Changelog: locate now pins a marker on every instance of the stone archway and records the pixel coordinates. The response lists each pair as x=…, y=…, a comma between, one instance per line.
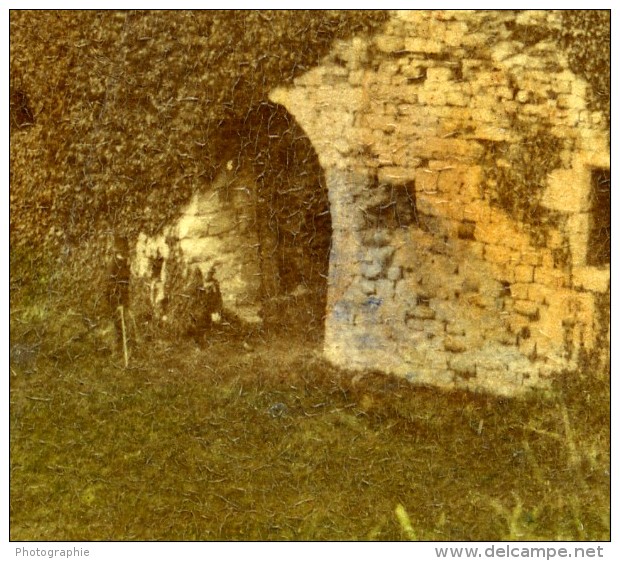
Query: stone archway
x=258, y=233
x=293, y=217
x=442, y=270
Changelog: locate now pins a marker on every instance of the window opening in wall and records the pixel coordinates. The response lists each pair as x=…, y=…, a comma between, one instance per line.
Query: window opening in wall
x=599, y=241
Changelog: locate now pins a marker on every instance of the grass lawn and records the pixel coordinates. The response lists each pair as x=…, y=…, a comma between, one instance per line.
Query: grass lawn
x=258, y=438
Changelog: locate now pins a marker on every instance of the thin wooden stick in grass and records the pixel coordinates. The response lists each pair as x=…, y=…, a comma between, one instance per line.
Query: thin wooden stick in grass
x=573, y=455
x=121, y=311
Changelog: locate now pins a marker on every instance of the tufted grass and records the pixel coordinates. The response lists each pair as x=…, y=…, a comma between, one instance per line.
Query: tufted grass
x=255, y=437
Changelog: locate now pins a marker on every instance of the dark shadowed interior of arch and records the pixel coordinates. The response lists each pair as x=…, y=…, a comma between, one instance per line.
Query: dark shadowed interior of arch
x=292, y=214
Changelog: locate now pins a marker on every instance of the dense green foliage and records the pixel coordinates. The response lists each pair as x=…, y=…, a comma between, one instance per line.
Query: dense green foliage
x=130, y=109
x=586, y=37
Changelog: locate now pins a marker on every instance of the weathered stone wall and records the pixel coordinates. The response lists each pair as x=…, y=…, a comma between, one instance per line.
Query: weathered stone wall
x=260, y=230
x=216, y=233
x=459, y=163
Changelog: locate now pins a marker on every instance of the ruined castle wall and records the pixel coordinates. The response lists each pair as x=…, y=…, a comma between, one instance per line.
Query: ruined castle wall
x=216, y=233
x=459, y=163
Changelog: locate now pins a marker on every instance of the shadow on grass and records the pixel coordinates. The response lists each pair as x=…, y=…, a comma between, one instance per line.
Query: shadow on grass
x=255, y=437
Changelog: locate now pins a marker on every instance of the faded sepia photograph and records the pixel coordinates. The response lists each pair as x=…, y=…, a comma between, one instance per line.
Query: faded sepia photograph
x=310, y=275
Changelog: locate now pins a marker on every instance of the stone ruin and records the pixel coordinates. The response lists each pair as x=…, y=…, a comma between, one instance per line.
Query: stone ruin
x=257, y=235
x=468, y=186
x=215, y=235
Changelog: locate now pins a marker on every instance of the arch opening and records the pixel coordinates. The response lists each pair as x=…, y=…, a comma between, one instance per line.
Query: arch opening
x=293, y=219
x=257, y=235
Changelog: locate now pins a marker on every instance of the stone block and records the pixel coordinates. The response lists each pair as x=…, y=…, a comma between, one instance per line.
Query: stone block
x=454, y=32
x=518, y=324
x=498, y=380
x=406, y=109
x=523, y=96
x=503, y=93
x=396, y=174
x=200, y=249
x=438, y=74
x=430, y=328
x=482, y=301
x=528, y=348
x=455, y=344
x=531, y=257
x=457, y=99
x=549, y=332
x=524, y=273
x=505, y=49
x=486, y=233
x=463, y=364
x=477, y=211
x=567, y=190
x=503, y=337
x=391, y=110
x=498, y=254
x=371, y=271
x=502, y=272
x=390, y=43
x=437, y=360
x=356, y=77
x=377, y=121
x=547, y=347
x=386, y=69
x=420, y=312
x=474, y=249
x=398, y=81
x=450, y=180
x=432, y=97
x=494, y=133
x=456, y=327
x=474, y=39
x=525, y=61
x=395, y=273
x=385, y=288
x=367, y=287
x=492, y=78
x=448, y=148
x=419, y=45
x=527, y=308
x=519, y=290
x=414, y=324
x=578, y=230
x=427, y=181
x=592, y=279
x=381, y=255
x=196, y=226
x=571, y=101
x=539, y=293
x=471, y=68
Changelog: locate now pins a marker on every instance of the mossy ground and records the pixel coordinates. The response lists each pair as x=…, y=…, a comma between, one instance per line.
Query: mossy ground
x=255, y=437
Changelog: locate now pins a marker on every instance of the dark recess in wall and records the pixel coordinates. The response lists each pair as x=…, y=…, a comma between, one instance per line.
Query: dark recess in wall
x=599, y=242
x=292, y=207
